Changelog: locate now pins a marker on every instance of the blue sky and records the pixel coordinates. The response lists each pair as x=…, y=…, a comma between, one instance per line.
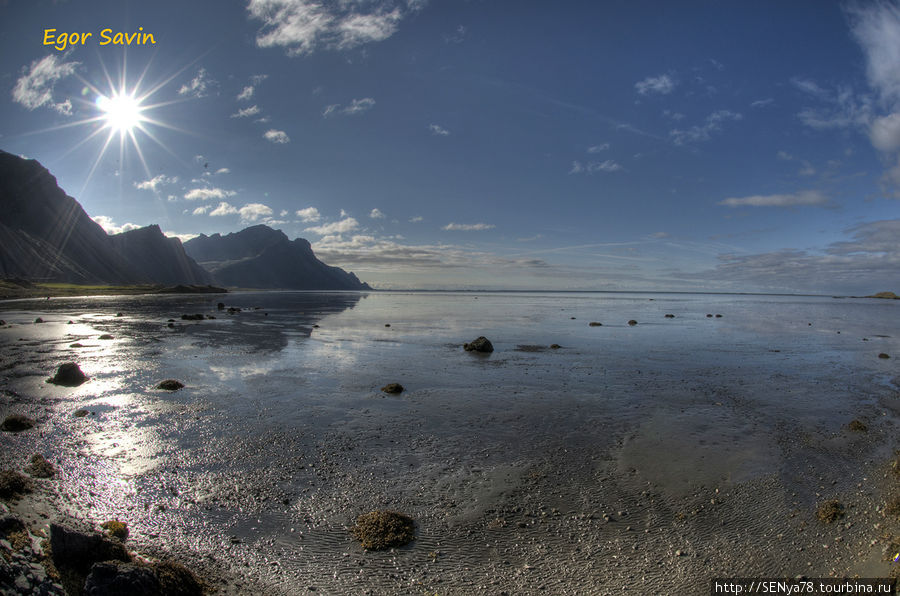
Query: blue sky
x=726, y=146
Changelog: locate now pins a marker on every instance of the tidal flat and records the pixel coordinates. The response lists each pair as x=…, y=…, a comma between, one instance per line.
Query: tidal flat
x=648, y=457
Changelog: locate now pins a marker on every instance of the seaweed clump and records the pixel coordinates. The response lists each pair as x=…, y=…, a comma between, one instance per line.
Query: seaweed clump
x=858, y=426
x=379, y=530
x=393, y=388
x=892, y=507
x=116, y=529
x=830, y=511
x=170, y=385
x=16, y=423
x=40, y=467
x=13, y=484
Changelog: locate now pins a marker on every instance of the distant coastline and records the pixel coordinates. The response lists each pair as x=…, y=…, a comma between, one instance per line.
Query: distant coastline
x=17, y=288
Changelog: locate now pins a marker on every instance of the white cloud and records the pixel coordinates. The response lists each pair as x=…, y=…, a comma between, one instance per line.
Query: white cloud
x=704, y=132
x=223, y=209
x=199, y=85
x=303, y=26
x=885, y=132
x=376, y=214
x=762, y=103
x=277, y=136
x=455, y=227
x=258, y=78
x=438, y=130
x=246, y=93
x=35, y=88
x=608, y=165
x=876, y=27
x=309, y=215
x=254, y=211
x=338, y=227
x=203, y=209
x=577, y=168
x=246, y=112
x=416, y=219
x=182, y=237
x=802, y=198
x=662, y=85
x=223, y=171
x=206, y=194
x=110, y=227
x=784, y=156
x=598, y=148
x=155, y=182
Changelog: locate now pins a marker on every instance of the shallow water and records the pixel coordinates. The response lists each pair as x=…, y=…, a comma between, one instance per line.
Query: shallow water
x=507, y=461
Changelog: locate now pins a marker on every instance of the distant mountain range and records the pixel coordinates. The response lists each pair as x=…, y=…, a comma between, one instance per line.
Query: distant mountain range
x=45, y=235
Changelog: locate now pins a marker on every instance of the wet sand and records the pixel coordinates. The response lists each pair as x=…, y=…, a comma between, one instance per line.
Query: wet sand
x=594, y=468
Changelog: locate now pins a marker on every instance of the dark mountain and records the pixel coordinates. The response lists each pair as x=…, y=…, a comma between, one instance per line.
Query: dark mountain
x=260, y=257
x=45, y=235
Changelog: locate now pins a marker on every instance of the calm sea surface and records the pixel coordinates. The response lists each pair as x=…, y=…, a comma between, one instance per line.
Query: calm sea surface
x=281, y=435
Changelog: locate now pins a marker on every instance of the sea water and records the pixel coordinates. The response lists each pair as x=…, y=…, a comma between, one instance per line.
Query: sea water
x=281, y=436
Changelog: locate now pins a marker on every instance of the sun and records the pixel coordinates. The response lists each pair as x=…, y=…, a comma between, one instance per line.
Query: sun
x=121, y=112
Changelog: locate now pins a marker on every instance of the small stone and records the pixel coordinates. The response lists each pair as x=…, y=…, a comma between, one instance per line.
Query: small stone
x=393, y=388
x=884, y=356
x=670, y=316
x=632, y=322
x=106, y=336
x=595, y=324
x=38, y=320
x=81, y=413
x=555, y=346
x=170, y=385
x=857, y=426
x=679, y=553
x=480, y=344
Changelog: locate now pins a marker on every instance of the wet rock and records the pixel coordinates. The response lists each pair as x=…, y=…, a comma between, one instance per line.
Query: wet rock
x=170, y=385
x=15, y=423
x=220, y=306
x=393, y=388
x=892, y=507
x=81, y=413
x=379, y=530
x=68, y=375
x=718, y=316
x=177, y=580
x=387, y=324
x=670, y=316
x=884, y=356
x=13, y=484
x=555, y=346
x=233, y=309
x=595, y=324
x=118, y=314
x=78, y=551
x=116, y=529
x=2, y=322
x=481, y=344
x=708, y=316
x=829, y=511
x=115, y=578
x=40, y=467
x=170, y=325
x=38, y=320
x=632, y=322
x=857, y=426
x=76, y=345
x=10, y=524
x=106, y=336
x=195, y=317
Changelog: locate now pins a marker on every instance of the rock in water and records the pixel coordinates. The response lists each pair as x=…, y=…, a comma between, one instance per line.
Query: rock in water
x=394, y=388
x=632, y=322
x=482, y=344
x=170, y=385
x=69, y=375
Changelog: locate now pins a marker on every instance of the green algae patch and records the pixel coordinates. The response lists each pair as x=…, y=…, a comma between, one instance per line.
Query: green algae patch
x=379, y=530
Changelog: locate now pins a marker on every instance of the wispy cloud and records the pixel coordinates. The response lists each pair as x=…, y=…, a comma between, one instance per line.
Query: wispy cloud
x=252, y=212
x=35, y=87
x=598, y=148
x=477, y=227
x=277, y=136
x=798, y=199
x=198, y=86
x=376, y=214
x=762, y=103
x=304, y=26
x=438, y=130
x=416, y=219
x=207, y=194
x=155, y=182
x=222, y=210
x=246, y=112
x=660, y=85
x=705, y=131
x=356, y=106
x=309, y=215
x=608, y=165
x=246, y=93
x=348, y=224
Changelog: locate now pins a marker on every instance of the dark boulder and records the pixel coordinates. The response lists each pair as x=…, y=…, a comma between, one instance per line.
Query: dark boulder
x=670, y=316
x=481, y=344
x=40, y=467
x=15, y=423
x=78, y=551
x=170, y=385
x=595, y=324
x=194, y=317
x=115, y=578
x=68, y=375
x=393, y=388
x=632, y=322
x=13, y=484
x=884, y=356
